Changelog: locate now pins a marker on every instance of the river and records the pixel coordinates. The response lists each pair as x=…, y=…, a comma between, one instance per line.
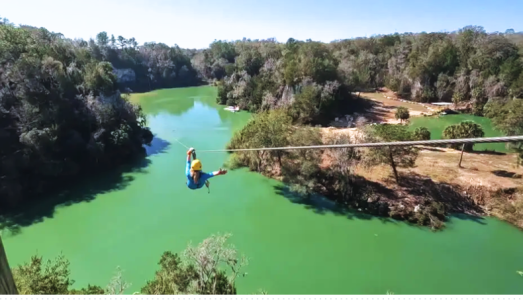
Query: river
x=129, y=220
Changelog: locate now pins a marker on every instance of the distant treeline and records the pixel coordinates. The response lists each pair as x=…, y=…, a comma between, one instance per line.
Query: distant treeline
x=466, y=65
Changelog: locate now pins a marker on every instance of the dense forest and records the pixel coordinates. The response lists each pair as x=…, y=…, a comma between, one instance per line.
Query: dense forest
x=469, y=65
x=62, y=111
x=146, y=67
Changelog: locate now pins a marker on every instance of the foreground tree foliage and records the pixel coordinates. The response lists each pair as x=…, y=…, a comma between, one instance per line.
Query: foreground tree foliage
x=61, y=114
x=51, y=278
x=199, y=270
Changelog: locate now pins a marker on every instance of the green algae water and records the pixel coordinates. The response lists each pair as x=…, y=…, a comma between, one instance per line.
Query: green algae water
x=129, y=219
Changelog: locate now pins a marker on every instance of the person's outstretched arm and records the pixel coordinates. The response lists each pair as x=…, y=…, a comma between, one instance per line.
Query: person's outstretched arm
x=206, y=176
x=188, y=163
x=219, y=172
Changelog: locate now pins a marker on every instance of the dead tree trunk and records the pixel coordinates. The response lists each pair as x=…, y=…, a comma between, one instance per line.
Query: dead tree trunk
x=393, y=165
x=7, y=283
x=461, y=156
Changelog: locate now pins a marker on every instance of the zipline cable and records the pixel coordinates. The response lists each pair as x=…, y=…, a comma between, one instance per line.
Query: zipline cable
x=183, y=145
x=185, y=129
x=504, y=139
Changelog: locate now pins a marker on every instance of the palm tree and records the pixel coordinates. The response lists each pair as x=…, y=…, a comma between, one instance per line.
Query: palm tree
x=463, y=130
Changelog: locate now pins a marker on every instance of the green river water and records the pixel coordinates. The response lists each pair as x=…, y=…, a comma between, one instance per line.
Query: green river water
x=130, y=220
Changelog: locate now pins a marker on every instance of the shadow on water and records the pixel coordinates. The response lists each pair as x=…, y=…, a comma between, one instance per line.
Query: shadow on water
x=466, y=217
x=85, y=190
x=458, y=205
x=323, y=206
x=157, y=146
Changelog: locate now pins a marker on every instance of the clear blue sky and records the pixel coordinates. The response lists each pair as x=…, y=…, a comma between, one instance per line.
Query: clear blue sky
x=196, y=23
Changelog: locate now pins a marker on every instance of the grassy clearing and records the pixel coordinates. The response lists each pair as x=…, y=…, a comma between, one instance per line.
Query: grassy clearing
x=436, y=125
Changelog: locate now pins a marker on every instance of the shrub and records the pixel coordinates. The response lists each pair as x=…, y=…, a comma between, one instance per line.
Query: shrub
x=421, y=134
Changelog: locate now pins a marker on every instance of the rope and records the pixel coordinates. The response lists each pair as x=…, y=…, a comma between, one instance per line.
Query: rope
x=504, y=139
x=183, y=145
x=185, y=129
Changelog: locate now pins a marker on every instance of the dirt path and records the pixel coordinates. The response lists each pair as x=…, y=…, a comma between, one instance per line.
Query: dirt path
x=385, y=108
x=383, y=111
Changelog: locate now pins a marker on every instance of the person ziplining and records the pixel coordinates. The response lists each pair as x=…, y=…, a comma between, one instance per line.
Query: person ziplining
x=196, y=179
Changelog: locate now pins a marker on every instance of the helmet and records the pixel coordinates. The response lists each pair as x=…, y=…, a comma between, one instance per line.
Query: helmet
x=196, y=165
